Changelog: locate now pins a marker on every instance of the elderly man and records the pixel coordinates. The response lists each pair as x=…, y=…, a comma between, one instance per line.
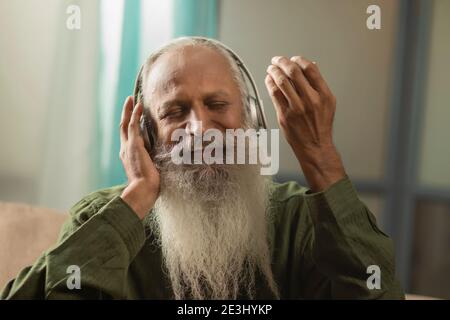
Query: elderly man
x=219, y=231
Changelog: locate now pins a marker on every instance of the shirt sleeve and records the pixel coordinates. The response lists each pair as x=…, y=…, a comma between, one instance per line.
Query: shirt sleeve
x=98, y=243
x=345, y=249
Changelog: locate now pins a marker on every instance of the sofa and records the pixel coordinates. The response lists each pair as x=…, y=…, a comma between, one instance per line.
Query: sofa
x=25, y=233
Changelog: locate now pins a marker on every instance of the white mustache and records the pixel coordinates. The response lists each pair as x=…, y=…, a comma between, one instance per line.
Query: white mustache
x=194, y=145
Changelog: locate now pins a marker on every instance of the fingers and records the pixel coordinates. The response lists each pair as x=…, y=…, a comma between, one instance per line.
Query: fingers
x=133, y=126
x=125, y=119
x=277, y=96
x=312, y=73
x=285, y=85
x=293, y=71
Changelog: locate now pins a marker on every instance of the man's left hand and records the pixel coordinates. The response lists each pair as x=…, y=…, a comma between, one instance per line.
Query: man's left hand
x=305, y=109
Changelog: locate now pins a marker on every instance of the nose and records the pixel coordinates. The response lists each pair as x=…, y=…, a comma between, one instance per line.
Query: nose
x=198, y=121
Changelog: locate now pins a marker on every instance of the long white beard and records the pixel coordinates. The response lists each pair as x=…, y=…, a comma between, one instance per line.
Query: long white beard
x=211, y=223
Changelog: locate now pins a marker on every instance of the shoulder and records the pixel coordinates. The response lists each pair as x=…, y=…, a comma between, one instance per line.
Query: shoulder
x=88, y=206
x=288, y=204
x=287, y=196
x=94, y=201
x=284, y=192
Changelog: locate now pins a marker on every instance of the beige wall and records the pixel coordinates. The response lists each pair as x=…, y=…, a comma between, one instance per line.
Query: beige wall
x=47, y=84
x=356, y=62
x=435, y=145
x=26, y=55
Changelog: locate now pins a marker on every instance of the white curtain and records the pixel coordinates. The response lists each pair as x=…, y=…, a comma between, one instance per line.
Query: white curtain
x=70, y=118
x=82, y=111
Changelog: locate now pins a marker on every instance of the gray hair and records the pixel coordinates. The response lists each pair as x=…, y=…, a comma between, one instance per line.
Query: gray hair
x=182, y=42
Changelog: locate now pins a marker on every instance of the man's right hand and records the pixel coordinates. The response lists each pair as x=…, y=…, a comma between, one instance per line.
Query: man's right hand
x=143, y=177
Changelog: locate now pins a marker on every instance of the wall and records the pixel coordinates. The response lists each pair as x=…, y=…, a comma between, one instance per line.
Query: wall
x=28, y=44
x=356, y=62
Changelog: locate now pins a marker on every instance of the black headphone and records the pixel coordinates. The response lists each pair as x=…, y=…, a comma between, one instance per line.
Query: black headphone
x=254, y=101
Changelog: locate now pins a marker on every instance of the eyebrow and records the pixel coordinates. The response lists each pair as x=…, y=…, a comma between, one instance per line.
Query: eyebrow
x=219, y=94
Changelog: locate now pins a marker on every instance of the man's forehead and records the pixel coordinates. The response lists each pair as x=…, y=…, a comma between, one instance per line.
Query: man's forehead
x=188, y=66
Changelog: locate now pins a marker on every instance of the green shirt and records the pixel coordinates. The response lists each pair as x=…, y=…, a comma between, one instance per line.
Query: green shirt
x=322, y=245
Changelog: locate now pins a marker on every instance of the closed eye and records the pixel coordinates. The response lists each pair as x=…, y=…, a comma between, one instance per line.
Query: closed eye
x=174, y=113
x=217, y=105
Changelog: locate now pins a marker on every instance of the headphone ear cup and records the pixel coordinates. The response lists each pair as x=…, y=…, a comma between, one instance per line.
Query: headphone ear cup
x=253, y=112
x=147, y=134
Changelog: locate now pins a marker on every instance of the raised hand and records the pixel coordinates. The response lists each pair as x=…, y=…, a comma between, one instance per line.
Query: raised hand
x=305, y=109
